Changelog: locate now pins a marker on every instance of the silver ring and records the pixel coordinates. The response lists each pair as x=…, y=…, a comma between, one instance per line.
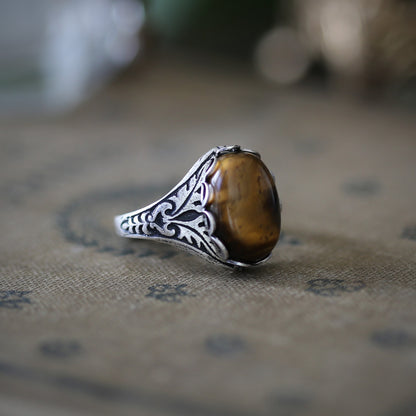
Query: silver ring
x=226, y=209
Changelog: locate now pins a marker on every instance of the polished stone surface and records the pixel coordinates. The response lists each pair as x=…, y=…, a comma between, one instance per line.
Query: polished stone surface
x=246, y=207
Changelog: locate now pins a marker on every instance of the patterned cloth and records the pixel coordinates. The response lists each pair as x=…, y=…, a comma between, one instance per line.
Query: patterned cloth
x=95, y=324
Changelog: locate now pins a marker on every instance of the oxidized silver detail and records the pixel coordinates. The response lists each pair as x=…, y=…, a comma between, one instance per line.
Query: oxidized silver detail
x=180, y=217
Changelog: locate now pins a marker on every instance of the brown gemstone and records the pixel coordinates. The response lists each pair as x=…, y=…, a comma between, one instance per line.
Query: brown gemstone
x=245, y=205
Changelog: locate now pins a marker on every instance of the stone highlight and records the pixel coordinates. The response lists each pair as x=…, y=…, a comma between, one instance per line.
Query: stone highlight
x=246, y=207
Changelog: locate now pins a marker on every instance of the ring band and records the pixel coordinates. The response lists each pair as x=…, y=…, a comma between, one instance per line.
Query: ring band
x=226, y=209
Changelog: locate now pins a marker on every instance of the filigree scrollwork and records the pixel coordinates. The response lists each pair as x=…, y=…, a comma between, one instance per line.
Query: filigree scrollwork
x=180, y=217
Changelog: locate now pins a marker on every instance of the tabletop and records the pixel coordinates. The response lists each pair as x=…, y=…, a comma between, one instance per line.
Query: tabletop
x=95, y=324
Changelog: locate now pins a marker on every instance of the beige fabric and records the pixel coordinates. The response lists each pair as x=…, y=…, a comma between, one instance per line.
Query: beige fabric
x=94, y=324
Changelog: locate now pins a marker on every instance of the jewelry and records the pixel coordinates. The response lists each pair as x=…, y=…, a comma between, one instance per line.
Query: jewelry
x=225, y=209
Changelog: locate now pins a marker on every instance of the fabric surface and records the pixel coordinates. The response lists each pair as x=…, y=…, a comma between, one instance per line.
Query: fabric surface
x=92, y=323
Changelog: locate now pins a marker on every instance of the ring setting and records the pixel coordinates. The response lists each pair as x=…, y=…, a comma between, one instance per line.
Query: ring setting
x=226, y=209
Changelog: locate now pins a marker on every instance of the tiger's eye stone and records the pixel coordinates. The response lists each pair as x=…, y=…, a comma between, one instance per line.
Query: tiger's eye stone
x=246, y=206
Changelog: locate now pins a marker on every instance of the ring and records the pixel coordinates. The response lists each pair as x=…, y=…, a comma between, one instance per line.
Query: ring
x=226, y=209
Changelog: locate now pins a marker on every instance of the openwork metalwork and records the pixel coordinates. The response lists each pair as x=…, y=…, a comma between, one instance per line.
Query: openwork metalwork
x=180, y=218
